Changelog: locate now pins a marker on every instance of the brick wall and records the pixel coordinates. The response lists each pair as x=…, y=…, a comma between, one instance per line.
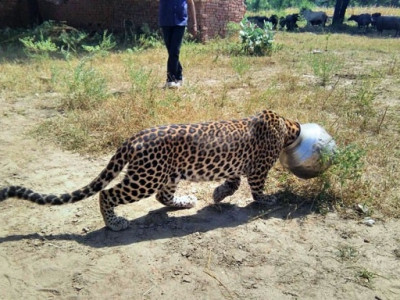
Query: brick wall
x=212, y=15
x=102, y=14
x=15, y=13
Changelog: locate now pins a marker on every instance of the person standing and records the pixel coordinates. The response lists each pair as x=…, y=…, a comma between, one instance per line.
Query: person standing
x=173, y=19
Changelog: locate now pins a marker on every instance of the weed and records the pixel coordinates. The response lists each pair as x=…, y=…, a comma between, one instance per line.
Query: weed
x=232, y=28
x=324, y=65
x=340, y=180
x=363, y=103
x=71, y=42
x=106, y=44
x=347, y=252
x=147, y=39
x=393, y=66
x=364, y=277
x=140, y=78
x=240, y=65
x=39, y=49
x=86, y=88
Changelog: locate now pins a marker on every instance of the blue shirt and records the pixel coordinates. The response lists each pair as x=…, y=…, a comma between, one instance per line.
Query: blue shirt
x=173, y=13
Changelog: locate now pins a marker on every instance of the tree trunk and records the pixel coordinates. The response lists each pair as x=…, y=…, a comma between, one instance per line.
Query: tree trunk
x=340, y=11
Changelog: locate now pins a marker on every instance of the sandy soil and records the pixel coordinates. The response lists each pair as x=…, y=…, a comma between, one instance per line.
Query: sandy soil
x=238, y=250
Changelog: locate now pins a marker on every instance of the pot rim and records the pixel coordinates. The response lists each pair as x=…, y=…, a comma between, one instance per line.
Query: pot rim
x=296, y=141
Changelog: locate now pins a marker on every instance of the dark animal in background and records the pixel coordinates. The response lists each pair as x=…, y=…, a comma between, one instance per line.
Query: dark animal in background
x=374, y=16
x=314, y=17
x=316, y=22
x=362, y=20
x=274, y=20
x=259, y=20
x=289, y=21
x=388, y=23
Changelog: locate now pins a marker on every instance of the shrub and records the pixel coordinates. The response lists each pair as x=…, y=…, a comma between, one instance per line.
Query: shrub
x=256, y=40
x=86, y=88
x=103, y=47
x=38, y=49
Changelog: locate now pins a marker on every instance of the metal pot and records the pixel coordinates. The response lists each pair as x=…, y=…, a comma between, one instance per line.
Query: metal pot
x=303, y=156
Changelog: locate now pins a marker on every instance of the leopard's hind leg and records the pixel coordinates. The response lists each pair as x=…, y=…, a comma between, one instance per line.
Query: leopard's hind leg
x=166, y=196
x=119, y=194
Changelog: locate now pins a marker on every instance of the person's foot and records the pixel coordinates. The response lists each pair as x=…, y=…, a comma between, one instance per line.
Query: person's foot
x=180, y=82
x=171, y=85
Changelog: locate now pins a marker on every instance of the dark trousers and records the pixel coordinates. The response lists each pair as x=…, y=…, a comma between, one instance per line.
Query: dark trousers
x=173, y=36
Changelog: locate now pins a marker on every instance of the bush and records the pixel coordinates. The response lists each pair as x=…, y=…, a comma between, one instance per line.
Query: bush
x=256, y=40
x=86, y=88
x=38, y=49
x=103, y=47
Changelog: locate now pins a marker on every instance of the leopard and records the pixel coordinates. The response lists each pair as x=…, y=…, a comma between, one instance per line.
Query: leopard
x=156, y=159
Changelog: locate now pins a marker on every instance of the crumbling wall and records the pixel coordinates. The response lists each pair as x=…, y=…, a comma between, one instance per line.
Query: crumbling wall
x=214, y=15
x=117, y=15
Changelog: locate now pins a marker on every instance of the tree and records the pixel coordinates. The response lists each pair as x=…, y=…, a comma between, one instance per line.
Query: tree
x=340, y=11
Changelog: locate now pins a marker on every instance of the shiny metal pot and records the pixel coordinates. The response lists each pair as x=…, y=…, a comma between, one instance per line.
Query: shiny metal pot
x=303, y=156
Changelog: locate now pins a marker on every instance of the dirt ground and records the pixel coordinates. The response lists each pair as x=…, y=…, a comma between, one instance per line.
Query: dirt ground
x=238, y=250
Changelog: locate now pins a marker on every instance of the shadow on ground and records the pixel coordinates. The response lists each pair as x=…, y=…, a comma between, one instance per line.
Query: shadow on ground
x=158, y=225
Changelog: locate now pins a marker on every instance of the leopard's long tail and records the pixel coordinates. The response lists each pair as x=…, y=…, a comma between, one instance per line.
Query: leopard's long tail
x=114, y=167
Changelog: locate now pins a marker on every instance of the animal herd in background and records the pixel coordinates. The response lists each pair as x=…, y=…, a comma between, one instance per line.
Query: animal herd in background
x=320, y=18
x=378, y=21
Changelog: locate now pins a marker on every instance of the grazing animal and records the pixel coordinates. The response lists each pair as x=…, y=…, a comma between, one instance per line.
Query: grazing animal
x=158, y=158
x=274, y=20
x=362, y=20
x=314, y=17
x=290, y=21
x=259, y=20
x=388, y=23
x=374, y=16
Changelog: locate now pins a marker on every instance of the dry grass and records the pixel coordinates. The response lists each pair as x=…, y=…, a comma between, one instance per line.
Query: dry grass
x=356, y=100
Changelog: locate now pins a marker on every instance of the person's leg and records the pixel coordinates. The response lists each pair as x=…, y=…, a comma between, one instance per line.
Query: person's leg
x=175, y=51
x=167, y=34
x=173, y=37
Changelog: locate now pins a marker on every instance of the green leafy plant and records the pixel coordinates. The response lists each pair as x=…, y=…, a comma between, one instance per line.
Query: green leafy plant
x=232, y=28
x=71, y=42
x=324, y=64
x=106, y=44
x=363, y=102
x=347, y=252
x=365, y=277
x=340, y=180
x=86, y=88
x=240, y=65
x=147, y=39
x=348, y=164
x=256, y=40
x=38, y=48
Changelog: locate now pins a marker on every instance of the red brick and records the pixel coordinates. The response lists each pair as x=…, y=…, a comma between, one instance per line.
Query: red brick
x=212, y=15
